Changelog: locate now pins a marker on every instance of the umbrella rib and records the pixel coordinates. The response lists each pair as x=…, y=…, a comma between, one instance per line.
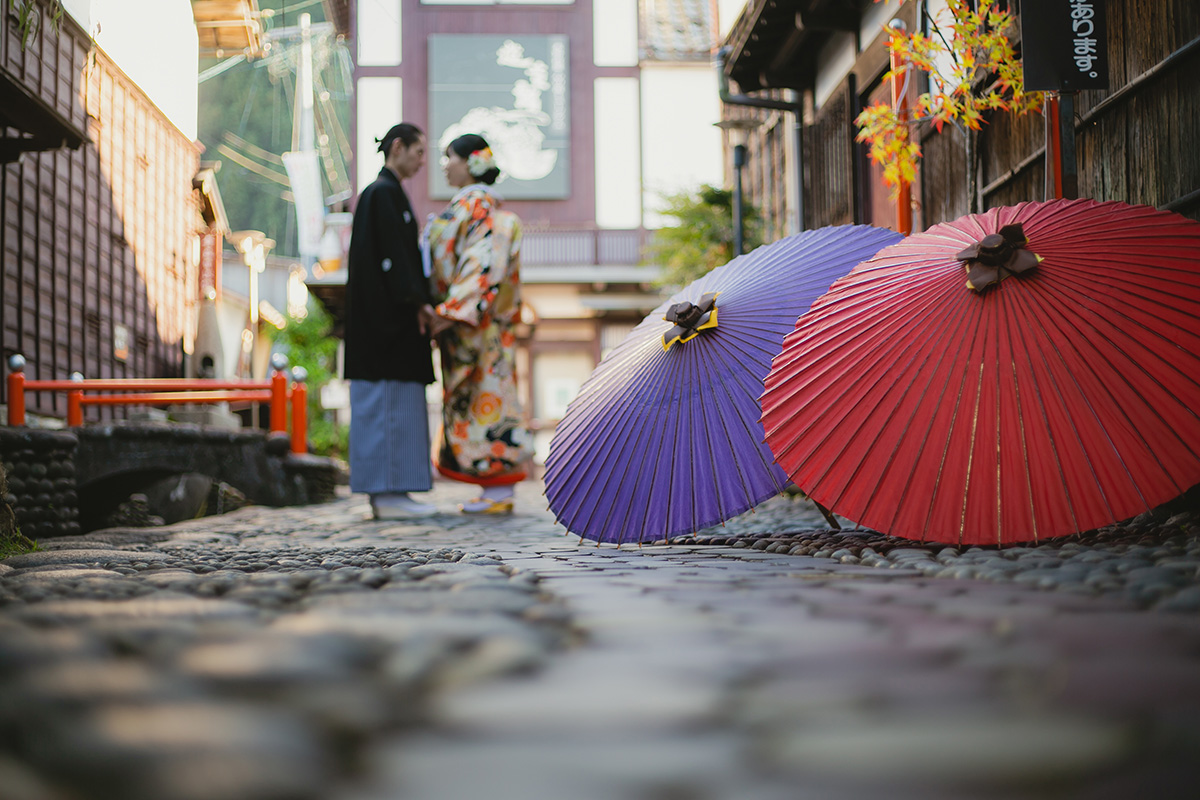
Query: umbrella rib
x=1117, y=405
x=752, y=436
x=712, y=454
x=688, y=361
x=871, y=323
x=617, y=444
x=1091, y=407
x=1137, y=363
x=1040, y=404
x=679, y=375
x=917, y=343
x=1073, y=428
x=577, y=410
x=1020, y=408
x=946, y=333
x=574, y=488
x=634, y=434
x=846, y=349
x=928, y=321
x=937, y=481
x=670, y=385
x=966, y=494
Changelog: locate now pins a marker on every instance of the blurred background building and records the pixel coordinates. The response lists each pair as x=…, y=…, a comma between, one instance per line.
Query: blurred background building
x=102, y=201
x=595, y=109
x=821, y=62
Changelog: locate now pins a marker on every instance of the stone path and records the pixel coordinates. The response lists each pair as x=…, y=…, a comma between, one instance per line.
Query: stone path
x=313, y=653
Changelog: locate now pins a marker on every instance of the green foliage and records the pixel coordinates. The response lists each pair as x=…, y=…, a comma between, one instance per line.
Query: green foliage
x=29, y=18
x=307, y=343
x=703, y=238
x=15, y=544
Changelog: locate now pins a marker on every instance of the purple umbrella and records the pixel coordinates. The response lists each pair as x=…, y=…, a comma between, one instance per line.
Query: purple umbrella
x=665, y=437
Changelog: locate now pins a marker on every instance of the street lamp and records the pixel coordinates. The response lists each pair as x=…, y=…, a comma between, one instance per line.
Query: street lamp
x=737, y=130
x=254, y=246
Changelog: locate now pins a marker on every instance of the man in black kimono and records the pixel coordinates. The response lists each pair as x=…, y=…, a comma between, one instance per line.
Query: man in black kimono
x=388, y=358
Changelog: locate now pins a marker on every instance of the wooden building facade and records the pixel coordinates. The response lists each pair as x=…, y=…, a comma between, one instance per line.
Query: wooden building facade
x=99, y=220
x=1136, y=142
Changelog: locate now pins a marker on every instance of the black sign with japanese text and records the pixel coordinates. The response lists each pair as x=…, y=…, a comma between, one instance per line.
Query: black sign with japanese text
x=1064, y=45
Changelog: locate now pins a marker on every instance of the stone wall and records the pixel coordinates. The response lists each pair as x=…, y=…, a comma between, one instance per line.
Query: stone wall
x=62, y=482
x=41, y=480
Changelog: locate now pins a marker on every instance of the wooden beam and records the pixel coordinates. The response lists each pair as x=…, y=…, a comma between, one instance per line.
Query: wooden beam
x=837, y=17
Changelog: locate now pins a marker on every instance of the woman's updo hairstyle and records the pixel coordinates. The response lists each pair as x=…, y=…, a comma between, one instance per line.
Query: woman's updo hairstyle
x=470, y=143
x=406, y=132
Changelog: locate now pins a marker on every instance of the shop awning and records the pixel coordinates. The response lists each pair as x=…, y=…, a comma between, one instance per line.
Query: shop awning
x=228, y=27
x=774, y=44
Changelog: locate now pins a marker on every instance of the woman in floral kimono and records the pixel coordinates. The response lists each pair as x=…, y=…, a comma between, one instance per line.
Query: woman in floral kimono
x=473, y=254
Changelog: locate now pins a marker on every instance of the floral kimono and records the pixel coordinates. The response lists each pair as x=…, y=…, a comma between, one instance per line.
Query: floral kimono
x=474, y=276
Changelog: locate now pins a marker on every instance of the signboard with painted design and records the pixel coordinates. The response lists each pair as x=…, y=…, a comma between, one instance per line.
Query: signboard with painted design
x=513, y=91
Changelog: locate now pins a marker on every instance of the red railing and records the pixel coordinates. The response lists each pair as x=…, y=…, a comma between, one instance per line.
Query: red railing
x=169, y=391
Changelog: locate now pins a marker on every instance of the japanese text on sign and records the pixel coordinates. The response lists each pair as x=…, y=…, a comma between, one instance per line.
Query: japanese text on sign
x=1064, y=45
x=1083, y=25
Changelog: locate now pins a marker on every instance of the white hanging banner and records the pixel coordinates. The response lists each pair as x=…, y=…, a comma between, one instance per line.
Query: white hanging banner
x=304, y=173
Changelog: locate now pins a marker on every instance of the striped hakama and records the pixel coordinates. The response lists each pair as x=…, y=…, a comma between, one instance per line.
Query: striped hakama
x=389, y=437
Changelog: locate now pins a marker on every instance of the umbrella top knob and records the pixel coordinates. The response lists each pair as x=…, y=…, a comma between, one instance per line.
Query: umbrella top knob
x=685, y=314
x=996, y=256
x=690, y=319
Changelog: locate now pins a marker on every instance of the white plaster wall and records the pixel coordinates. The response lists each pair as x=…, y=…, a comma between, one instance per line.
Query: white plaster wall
x=833, y=65
x=727, y=14
x=681, y=145
x=378, y=33
x=617, y=157
x=80, y=11
x=875, y=16
x=615, y=33
x=379, y=108
x=154, y=42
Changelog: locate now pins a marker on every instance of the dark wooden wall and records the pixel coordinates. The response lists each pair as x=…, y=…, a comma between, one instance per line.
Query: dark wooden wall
x=1144, y=145
x=829, y=162
x=95, y=237
x=1137, y=142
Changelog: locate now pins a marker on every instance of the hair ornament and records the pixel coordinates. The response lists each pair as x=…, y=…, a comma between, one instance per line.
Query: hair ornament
x=481, y=162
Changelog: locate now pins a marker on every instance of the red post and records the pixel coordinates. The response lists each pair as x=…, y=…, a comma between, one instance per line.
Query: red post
x=299, y=417
x=75, y=408
x=16, y=397
x=1053, y=188
x=278, y=401
x=900, y=104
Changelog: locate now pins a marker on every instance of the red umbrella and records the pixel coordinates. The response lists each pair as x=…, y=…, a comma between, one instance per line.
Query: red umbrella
x=1020, y=374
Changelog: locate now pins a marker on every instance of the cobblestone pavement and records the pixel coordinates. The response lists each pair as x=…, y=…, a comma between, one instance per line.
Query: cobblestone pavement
x=314, y=653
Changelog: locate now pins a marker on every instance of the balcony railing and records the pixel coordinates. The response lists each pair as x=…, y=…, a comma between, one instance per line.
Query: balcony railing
x=545, y=245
